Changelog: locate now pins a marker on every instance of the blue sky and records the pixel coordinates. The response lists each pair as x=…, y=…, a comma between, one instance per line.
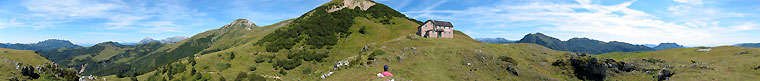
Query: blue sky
x=688, y=22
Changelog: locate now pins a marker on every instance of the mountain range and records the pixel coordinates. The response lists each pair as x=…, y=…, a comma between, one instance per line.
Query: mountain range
x=667, y=46
x=756, y=45
x=582, y=45
x=42, y=45
x=167, y=40
x=494, y=40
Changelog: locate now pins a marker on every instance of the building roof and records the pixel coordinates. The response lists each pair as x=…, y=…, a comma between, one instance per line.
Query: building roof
x=441, y=23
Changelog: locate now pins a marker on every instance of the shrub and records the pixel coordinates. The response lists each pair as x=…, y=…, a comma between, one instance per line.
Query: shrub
x=192, y=61
x=375, y=53
x=363, y=30
x=241, y=76
x=232, y=55
x=283, y=72
x=378, y=52
x=252, y=68
x=259, y=60
x=198, y=76
x=287, y=64
x=256, y=77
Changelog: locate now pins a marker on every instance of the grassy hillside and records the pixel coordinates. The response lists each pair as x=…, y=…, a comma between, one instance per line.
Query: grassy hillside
x=725, y=63
x=101, y=59
x=111, y=58
x=22, y=56
x=27, y=65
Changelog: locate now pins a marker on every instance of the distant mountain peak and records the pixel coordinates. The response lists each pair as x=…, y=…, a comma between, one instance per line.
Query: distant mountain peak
x=248, y=25
x=109, y=43
x=173, y=39
x=497, y=40
x=147, y=40
x=667, y=46
x=55, y=41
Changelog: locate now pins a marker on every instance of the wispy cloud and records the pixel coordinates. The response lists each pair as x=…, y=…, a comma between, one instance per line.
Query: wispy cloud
x=10, y=22
x=693, y=2
x=104, y=33
x=119, y=15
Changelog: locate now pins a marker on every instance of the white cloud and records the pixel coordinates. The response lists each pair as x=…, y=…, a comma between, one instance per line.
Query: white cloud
x=119, y=15
x=692, y=2
x=70, y=8
x=603, y=22
x=122, y=21
x=427, y=11
x=744, y=27
x=104, y=33
x=10, y=23
x=2, y=25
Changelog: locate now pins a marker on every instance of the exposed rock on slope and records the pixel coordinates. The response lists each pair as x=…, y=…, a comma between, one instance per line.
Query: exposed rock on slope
x=351, y=4
x=248, y=25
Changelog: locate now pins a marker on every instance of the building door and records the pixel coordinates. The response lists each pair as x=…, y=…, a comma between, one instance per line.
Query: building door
x=439, y=34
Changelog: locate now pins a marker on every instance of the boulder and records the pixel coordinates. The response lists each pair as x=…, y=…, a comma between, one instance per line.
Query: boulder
x=588, y=68
x=399, y=58
x=512, y=70
x=664, y=74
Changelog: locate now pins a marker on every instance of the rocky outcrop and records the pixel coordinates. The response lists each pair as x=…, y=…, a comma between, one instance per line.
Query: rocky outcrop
x=351, y=4
x=586, y=67
x=664, y=74
x=242, y=22
x=512, y=70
